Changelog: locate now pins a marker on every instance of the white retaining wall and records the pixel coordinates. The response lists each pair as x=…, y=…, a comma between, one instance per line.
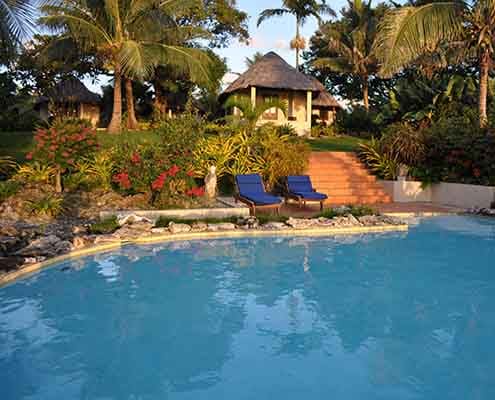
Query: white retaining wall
x=452, y=194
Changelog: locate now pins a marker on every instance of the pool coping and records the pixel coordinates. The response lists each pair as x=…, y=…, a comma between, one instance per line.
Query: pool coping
x=117, y=243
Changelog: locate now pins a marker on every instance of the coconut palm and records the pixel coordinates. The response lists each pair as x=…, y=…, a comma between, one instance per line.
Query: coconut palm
x=250, y=114
x=128, y=34
x=407, y=33
x=16, y=22
x=302, y=10
x=250, y=61
x=352, y=46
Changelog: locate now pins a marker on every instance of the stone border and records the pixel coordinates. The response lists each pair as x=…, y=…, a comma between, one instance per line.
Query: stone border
x=32, y=268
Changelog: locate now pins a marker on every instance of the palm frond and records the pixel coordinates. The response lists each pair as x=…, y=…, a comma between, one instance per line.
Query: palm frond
x=407, y=32
x=271, y=12
x=16, y=21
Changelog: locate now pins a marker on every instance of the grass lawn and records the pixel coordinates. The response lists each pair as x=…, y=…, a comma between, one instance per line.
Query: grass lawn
x=17, y=144
x=340, y=143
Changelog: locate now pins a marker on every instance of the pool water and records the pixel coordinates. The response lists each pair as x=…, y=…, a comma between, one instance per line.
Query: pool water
x=407, y=315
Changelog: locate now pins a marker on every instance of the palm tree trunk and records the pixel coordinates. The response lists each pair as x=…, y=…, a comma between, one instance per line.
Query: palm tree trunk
x=115, y=122
x=131, y=113
x=159, y=103
x=484, y=69
x=297, y=43
x=365, y=93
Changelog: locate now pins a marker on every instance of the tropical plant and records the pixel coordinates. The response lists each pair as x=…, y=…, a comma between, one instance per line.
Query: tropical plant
x=251, y=114
x=408, y=33
x=7, y=165
x=8, y=188
x=16, y=22
x=302, y=10
x=62, y=146
x=36, y=172
x=105, y=226
x=132, y=36
x=48, y=205
x=378, y=161
x=403, y=143
x=351, y=45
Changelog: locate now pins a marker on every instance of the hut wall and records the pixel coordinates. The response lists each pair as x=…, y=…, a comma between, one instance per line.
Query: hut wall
x=298, y=118
x=90, y=112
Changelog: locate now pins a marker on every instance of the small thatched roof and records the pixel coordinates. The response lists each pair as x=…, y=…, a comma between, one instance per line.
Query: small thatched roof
x=272, y=72
x=72, y=90
x=323, y=98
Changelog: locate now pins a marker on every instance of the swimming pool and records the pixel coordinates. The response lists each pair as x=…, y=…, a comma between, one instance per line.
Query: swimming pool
x=407, y=315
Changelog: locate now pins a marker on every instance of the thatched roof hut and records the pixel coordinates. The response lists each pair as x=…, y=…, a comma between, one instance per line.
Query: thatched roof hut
x=72, y=90
x=70, y=98
x=272, y=76
x=272, y=72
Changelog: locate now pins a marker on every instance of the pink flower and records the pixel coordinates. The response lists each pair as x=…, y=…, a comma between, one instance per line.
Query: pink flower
x=158, y=183
x=173, y=170
x=190, y=173
x=29, y=156
x=65, y=154
x=135, y=159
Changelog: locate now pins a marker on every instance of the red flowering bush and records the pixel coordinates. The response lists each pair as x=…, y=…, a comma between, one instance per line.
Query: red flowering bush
x=62, y=145
x=166, y=178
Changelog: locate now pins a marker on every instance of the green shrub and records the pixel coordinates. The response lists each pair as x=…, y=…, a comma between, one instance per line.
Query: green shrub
x=36, y=172
x=287, y=129
x=403, y=143
x=320, y=130
x=357, y=121
x=8, y=189
x=48, y=205
x=105, y=226
x=378, y=161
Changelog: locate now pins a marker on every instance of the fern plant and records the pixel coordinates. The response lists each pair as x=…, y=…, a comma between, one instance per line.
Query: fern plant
x=378, y=161
x=36, y=172
x=48, y=205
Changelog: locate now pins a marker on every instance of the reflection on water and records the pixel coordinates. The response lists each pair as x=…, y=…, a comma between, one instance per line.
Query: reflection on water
x=378, y=316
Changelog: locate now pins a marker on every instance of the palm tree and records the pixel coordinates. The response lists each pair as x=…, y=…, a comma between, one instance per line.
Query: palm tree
x=302, y=10
x=352, y=46
x=250, y=114
x=407, y=33
x=16, y=22
x=128, y=34
x=250, y=61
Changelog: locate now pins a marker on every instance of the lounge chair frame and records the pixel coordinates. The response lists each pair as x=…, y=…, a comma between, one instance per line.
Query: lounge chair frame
x=252, y=205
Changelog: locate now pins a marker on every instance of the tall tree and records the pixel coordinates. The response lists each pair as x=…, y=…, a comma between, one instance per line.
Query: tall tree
x=250, y=61
x=127, y=34
x=407, y=33
x=301, y=10
x=351, y=45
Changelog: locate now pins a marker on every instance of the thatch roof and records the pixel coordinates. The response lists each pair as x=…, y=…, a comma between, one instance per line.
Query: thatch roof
x=72, y=90
x=272, y=72
x=323, y=98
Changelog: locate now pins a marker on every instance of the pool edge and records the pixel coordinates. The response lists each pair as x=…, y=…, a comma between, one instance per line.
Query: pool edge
x=35, y=267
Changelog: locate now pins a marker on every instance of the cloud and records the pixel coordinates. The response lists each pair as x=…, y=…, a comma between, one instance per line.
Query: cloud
x=281, y=44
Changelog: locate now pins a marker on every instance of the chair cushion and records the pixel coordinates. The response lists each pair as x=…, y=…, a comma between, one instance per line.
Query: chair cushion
x=299, y=183
x=312, y=195
x=261, y=198
x=249, y=183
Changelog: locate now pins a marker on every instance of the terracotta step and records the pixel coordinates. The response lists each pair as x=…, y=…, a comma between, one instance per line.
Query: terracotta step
x=344, y=179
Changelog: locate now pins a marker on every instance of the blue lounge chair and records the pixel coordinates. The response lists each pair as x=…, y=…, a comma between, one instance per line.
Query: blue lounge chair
x=251, y=191
x=300, y=188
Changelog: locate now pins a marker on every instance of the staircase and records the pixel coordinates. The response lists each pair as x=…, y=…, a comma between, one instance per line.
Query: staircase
x=344, y=179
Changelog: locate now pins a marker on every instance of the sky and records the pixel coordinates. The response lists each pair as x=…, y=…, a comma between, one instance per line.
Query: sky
x=274, y=34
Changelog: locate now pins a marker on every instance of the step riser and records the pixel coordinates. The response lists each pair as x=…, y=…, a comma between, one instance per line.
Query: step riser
x=344, y=179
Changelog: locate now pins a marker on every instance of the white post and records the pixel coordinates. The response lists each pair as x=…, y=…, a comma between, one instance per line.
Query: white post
x=309, y=104
x=253, y=96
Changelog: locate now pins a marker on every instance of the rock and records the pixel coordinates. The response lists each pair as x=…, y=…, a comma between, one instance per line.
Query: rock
x=131, y=219
x=33, y=260
x=249, y=222
x=48, y=246
x=159, y=230
x=80, y=242
x=224, y=226
x=178, y=228
x=369, y=220
x=79, y=229
x=325, y=222
x=100, y=239
x=10, y=263
x=276, y=226
x=353, y=220
x=133, y=230
x=199, y=227
x=300, y=223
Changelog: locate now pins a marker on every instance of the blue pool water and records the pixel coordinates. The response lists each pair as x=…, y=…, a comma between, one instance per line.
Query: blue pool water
x=379, y=316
